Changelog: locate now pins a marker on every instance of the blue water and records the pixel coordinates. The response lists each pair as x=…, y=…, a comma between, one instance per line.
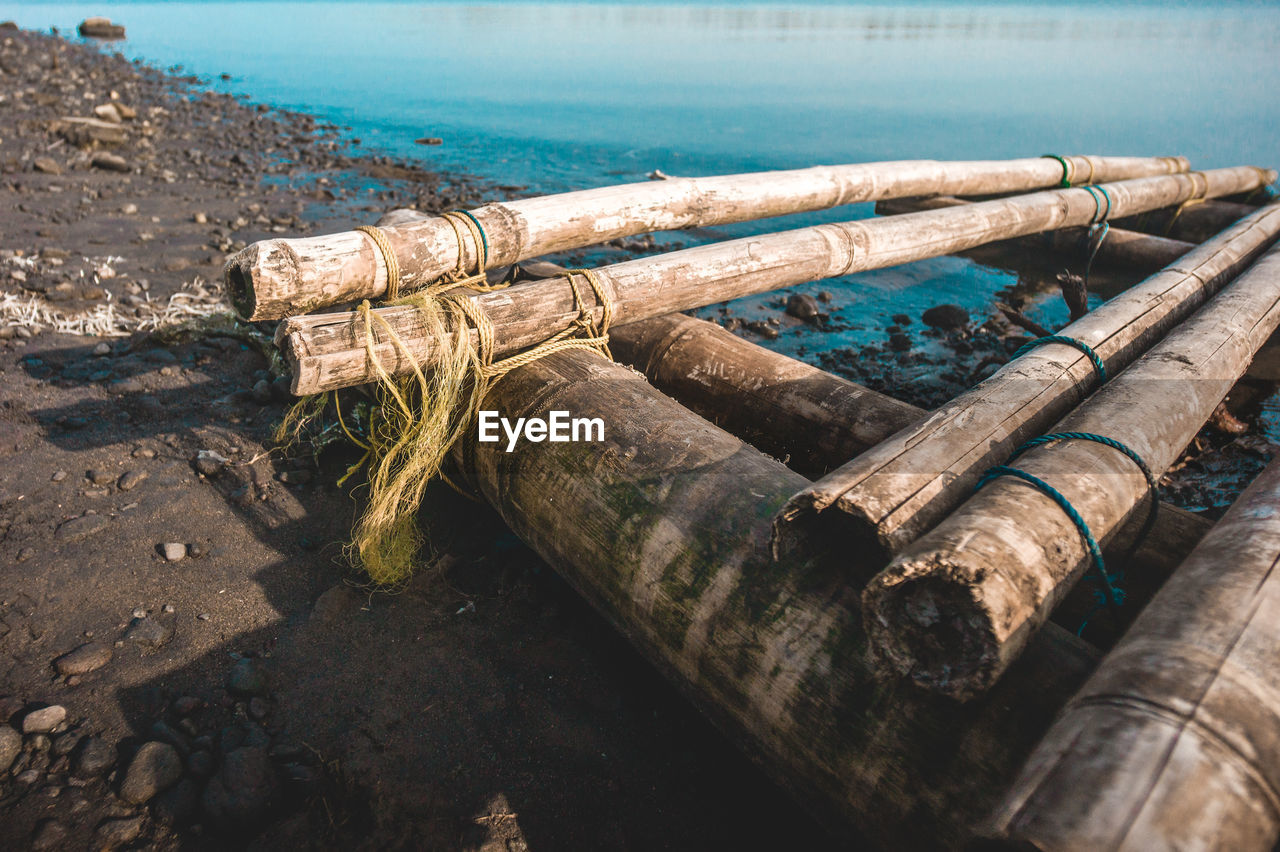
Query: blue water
x=556, y=96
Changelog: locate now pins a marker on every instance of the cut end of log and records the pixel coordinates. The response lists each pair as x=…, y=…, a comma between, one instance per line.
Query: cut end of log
x=811, y=522
x=239, y=285
x=923, y=622
x=251, y=278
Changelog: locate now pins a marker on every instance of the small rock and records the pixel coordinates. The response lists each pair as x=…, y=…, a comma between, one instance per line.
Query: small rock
x=87, y=658
x=200, y=218
x=49, y=834
x=58, y=476
x=243, y=791
x=247, y=678
x=10, y=746
x=149, y=632
x=27, y=777
x=195, y=550
x=802, y=306
x=210, y=462
x=186, y=705
x=114, y=833
x=99, y=27
x=901, y=319
x=899, y=342
x=26, y=553
x=173, y=551
x=155, y=768
x=166, y=733
x=200, y=764
x=102, y=349
x=259, y=708
x=101, y=477
x=108, y=112
x=429, y=140
x=94, y=757
x=39, y=742
x=946, y=317
x=131, y=480
x=78, y=529
x=144, y=453
x=261, y=392
x=110, y=162
x=48, y=165
x=44, y=720
x=65, y=744
x=178, y=805
x=129, y=209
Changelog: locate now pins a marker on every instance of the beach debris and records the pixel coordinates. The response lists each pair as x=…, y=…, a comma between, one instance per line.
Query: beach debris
x=100, y=27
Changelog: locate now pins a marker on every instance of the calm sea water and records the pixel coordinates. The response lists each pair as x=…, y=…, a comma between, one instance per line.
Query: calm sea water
x=557, y=96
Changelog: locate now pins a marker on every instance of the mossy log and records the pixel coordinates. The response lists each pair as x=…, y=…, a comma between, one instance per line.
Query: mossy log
x=891, y=494
x=957, y=606
x=1120, y=248
x=275, y=278
x=664, y=527
x=327, y=351
x=1174, y=743
x=1194, y=223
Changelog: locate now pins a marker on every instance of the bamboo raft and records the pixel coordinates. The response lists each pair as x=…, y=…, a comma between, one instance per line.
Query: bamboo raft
x=808, y=559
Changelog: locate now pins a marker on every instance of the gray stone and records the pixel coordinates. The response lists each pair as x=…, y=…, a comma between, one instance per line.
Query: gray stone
x=88, y=657
x=131, y=480
x=946, y=317
x=10, y=746
x=261, y=392
x=114, y=833
x=78, y=529
x=802, y=306
x=149, y=632
x=44, y=720
x=247, y=678
x=155, y=768
x=110, y=162
x=173, y=550
x=48, y=165
x=244, y=790
x=899, y=342
x=94, y=757
x=210, y=462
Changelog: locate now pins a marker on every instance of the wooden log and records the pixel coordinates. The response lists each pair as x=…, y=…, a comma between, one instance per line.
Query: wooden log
x=1120, y=248
x=1174, y=743
x=327, y=351
x=810, y=419
x=1194, y=223
x=276, y=278
x=956, y=607
x=664, y=526
x=893, y=493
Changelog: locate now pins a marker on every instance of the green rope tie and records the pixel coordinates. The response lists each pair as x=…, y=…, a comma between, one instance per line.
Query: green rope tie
x=1069, y=341
x=1066, y=168
x=484, y=238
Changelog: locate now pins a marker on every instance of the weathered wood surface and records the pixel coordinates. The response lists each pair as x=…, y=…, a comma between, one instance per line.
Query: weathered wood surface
x=896, y=491
x=957, y=606
x=1195, y=223
x=1174, y=743
x=1121, y=247
x=664, y=528
x=327, y=351
x=810, y=419
x=275, y=278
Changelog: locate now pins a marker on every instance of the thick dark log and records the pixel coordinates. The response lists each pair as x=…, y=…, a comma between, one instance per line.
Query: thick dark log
x=664, y=527
x=327, y=351
x=1120, y=248
x=896, y=491
x=955, y=608
x=1174, y=743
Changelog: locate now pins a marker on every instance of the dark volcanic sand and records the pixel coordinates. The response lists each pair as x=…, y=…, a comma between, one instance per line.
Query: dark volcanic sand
x=484, y=707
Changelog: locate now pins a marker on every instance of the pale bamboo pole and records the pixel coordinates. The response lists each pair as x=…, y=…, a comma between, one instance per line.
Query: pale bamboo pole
x=1120, y=247
x=957, y=606
x=1174, y=743
x=275, y=278
x=893, y=493
x=327, y=351
x=663, y=526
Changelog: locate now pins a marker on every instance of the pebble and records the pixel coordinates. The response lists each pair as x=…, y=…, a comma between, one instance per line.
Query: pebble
x=210, y=462
x=39, y=742
x=946, y=317
x=200, y=218
x=129, y=209
x=108, y=112
x=59, y=476
x=66, y=744
x=144, y=453
x=802, y=306
x=259, y=708
x=48, y=165
x=110, y=162
x=44, y=720
x=49, y=834
x=243, y=791
x=102, y=349
x=155, y=768
x=78, y=529
x=114, y=833
x=261, y=392
x=94, y=757
x=89, y=657
x=173, y=550
x=28, y=777
x=99, y=476
x=247, y=678
x=149, y=632
x=177, y=805
x=200, y=764
x=131, y=480
x=10, y=746
x=26, y=553
x=899, y=342
x=187, y=704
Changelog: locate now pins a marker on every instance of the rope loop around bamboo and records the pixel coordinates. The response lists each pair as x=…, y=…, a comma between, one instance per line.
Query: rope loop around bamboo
x=1094, y=358
x=465, y=226
x=1067, y=168
x=389, y=261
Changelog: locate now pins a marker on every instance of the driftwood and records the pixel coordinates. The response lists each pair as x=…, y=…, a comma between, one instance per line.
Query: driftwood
x=327, y=351
x=810, y=419
x=957, y=606
x=1120, y=248
x=1194, y=223
x=896, y=491
x=276, y=278
x=1174, y=743
x=664, y=526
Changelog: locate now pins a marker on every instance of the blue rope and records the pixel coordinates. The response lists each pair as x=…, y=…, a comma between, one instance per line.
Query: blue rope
x=484, y=238
x=1066, y=169
x=1069, y=341
x=1099, y=215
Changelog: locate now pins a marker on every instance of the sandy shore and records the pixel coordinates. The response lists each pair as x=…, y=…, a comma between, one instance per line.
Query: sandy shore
x=248, y=692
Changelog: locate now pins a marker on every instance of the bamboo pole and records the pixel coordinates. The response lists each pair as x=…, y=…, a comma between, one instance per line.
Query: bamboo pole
x=810, y=419
x=958, y=605
x=1194, y=223
x=1120, y=247
x=664, y=525
x=276, y=278
x=893, y=493
x=1174, y=743
x=327, y=351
